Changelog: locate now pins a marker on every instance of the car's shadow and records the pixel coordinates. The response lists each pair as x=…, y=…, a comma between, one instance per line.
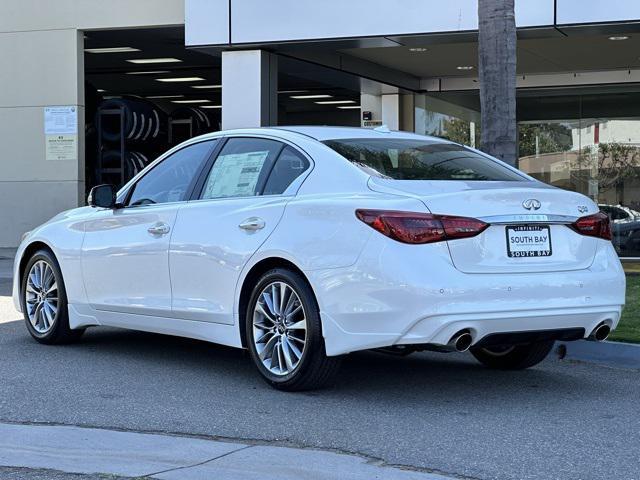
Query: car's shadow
x=370, y=372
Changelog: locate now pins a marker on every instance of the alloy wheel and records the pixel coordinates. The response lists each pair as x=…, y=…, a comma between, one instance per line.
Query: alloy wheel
x=41, y=297
x=279, y=328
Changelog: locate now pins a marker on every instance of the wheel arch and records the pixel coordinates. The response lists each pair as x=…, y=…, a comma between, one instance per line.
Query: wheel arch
x=27, y=253
x=250, y=279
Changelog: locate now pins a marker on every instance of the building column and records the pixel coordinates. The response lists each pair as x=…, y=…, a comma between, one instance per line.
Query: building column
x=249, y=89
x=41, y=174
x=391, y=111
x=394, y=110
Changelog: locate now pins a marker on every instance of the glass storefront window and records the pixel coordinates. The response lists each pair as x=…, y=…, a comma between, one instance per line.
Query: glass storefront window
x=440, y=118
x=594, y=152
x=588, y=143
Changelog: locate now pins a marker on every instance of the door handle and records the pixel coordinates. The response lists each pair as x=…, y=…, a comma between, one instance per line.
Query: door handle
x=159, y=228
x=252, y=224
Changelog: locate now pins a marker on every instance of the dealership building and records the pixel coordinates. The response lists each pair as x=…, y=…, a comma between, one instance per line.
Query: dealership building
x=91, y=91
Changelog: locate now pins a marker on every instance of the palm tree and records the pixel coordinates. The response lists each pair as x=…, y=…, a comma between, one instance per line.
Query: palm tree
x=497, y=76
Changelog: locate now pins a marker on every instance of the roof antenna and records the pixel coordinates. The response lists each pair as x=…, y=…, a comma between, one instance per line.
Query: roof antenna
x=382, y=129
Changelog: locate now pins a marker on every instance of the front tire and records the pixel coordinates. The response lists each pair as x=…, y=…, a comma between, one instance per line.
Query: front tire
x=515, y=357
x=44, y=301
x=284, y=333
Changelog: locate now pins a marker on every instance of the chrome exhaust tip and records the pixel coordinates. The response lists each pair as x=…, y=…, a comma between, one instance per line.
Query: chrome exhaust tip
x=461, y=342
x=600, y=333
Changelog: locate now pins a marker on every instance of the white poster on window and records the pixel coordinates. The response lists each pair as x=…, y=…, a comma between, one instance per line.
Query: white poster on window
x=235, y=175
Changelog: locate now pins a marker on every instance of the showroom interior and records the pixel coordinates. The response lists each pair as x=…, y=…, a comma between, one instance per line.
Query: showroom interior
x=147, y=76
x=175, y=93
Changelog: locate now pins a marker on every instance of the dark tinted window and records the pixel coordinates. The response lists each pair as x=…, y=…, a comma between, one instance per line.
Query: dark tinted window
x=240, y=168
x=289, y=166
x=169, y=181
x=613, y=212
x=408, y=159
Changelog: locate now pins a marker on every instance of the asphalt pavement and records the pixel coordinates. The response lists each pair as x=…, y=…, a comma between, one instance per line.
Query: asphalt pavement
x=439, y=413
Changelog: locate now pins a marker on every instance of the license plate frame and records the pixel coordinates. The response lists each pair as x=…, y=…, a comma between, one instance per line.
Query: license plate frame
x=529, y=250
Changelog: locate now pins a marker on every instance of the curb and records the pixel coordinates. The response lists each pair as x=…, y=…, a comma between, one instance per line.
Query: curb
x=83, y=450
x=615, y=354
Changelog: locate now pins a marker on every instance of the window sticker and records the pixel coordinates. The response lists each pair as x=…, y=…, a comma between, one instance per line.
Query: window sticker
x=235, y=175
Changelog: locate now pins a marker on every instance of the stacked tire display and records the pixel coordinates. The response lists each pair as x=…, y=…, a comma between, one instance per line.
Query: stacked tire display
x=143, y=121
x=132, y=132
x=197, y=123
x=140, y=128
x=134, y=161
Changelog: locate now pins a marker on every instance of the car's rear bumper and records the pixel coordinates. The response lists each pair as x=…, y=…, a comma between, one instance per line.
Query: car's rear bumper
x=405, y=294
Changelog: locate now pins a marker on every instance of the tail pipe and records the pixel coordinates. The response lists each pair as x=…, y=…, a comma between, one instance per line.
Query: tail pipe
x=600, y=333
x=460, y=342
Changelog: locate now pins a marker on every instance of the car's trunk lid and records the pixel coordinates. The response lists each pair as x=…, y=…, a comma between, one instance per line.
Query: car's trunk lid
x=518, y=240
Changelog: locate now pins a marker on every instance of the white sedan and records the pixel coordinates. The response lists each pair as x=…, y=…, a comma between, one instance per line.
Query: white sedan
x=302, y=244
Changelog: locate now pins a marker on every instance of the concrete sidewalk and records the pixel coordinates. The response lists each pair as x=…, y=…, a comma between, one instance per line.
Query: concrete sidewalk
x=611, y=354
x=128, y=454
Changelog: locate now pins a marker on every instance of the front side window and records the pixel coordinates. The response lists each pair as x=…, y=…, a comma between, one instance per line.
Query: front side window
x=169, y=181
x=240, y=168
x=408, y=159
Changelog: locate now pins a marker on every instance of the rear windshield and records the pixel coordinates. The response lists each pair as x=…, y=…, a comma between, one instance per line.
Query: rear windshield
x=408, y=159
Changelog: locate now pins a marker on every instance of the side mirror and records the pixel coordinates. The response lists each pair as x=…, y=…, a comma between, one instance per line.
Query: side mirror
x=102, y=196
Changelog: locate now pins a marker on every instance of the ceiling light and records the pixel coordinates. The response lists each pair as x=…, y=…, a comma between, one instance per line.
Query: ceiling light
x=335, y=102
x=465, y=67
x=148, y=72
x=180, y=79
x=211, y=106
x=100, y=90
x=143, y=61
x=111, y=50
x=293, y=91
x=617, y=38
x=206, y=86
x=302, y=97
x=191, y=101
x=418, y=49
x=165, y=96
x=350, y=107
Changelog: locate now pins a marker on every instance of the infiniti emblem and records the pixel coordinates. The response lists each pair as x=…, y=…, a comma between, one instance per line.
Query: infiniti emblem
x=531, y=204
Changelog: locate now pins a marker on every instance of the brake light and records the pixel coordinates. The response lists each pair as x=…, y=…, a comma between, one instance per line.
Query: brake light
x=596, y=225
x=416, y=228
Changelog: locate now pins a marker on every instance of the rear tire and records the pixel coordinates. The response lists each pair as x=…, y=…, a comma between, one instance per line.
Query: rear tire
x=44, y=301
x=284, y=333
x=516, y=357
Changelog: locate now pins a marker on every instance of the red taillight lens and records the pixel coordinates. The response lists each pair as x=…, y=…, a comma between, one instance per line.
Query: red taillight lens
x=410, y=227
x=596, y=225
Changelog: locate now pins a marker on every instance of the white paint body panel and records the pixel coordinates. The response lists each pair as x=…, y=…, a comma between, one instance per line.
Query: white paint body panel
x=487, y=252
x=126, y=268
x=209, y=250
x=372, y=291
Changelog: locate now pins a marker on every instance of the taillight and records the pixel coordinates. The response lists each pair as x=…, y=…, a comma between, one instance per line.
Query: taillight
x=410, y=227
x=596, y=225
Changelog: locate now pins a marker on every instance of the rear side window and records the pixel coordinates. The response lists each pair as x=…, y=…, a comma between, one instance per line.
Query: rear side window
x=289, y=166
x=408, y=159
x=241, y=167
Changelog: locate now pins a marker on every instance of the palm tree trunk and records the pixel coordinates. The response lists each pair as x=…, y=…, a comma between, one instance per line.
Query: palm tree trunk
x=497, y=76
